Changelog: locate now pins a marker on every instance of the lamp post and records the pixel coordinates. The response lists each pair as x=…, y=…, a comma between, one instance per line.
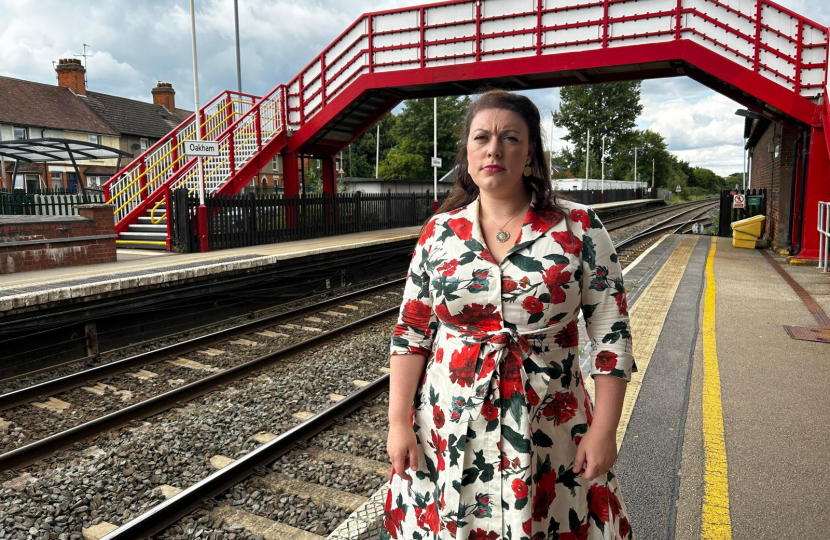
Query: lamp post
x=602, y=175
x=587, y=156
x=197, y=132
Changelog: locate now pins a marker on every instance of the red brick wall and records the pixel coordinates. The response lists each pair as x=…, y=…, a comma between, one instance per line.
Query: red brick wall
x=775, y=174
x=95, y=220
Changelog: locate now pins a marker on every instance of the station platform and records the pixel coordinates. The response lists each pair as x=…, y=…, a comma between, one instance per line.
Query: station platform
x=136, y=271
x=725, y=431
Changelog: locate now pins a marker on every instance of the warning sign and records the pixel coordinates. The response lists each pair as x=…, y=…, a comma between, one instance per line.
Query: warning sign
x=739, y=201
x=677, y=189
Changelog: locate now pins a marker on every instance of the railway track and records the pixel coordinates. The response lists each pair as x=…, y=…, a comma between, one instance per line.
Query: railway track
x=56, y=413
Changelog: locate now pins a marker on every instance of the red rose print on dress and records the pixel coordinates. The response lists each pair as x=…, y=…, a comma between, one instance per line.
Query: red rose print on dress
x=533, y=305
x=461, y=227
x=432, y=519
x=622, y=303
x=625, y=527
x=542, y=220
x=606, y=360
x=511, y=375
x=554, y=278
x=599, y=501
x=487, y=256
x=448, y=268
x=561, y=409
x=477, y=316
x=429, y=230
x=508, y=285
x=438, y=416
x=392, y=518
x=416, y=313
x=463, y=365
x=519, y=488
x=489, y=411
x=568, y=337
x=580, y=533
x=481, y=534
x=570, y=243
x=582, y=217
x=543, y=494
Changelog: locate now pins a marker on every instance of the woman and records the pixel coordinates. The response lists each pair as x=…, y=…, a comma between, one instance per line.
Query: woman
x=492, y=432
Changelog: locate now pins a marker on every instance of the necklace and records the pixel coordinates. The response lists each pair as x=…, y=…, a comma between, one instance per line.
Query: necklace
x=502, y=236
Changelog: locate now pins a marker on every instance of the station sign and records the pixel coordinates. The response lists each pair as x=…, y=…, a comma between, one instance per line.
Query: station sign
x=436, y=162
x=201, y=148
x=739, y=201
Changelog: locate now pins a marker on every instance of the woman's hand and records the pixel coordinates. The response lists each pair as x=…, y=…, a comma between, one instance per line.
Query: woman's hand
x=402, y=448
x=597, y=452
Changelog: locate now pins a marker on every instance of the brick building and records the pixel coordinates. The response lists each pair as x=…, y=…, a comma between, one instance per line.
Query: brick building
x=773, y=161
x=30, y=110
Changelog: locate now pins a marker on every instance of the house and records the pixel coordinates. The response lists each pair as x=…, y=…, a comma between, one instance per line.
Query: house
x=30, y=110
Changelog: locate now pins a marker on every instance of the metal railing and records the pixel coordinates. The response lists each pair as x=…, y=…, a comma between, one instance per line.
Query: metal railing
x=823, y=227
x=128, y=189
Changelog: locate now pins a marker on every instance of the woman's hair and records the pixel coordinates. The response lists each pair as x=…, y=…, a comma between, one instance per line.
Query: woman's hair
x=465, y=190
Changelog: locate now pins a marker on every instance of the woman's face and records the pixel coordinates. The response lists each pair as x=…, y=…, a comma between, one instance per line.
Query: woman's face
x=498, y=148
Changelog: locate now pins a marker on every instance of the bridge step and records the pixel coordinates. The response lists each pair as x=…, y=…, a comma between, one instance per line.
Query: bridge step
x=149, y=228
x=148, y=221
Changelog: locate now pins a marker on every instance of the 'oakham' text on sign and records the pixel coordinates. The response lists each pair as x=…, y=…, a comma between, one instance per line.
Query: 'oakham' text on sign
x=201, y=148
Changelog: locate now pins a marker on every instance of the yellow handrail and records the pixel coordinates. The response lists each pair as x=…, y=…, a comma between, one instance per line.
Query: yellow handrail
x=153, y=213
x=203, y=124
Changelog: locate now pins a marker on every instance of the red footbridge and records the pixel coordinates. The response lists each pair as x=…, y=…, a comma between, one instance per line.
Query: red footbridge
x=758, y=53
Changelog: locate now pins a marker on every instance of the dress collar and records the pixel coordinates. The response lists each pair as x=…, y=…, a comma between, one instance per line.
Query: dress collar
x=466, y=223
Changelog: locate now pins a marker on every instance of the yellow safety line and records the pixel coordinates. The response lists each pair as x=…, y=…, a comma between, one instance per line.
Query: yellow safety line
x=716, y=524
x=140, y=242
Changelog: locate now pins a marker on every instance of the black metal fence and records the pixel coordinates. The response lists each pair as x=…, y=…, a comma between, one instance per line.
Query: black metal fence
x=46, y=203
x=249, y=220
x=595, y=196
x=755, y=204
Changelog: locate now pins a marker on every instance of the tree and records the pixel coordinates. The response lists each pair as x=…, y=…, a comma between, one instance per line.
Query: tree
x=413, y=132
x=361, y=164
x=609, y=109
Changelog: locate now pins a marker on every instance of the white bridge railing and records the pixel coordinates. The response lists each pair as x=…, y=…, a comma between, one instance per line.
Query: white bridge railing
x=823, y=227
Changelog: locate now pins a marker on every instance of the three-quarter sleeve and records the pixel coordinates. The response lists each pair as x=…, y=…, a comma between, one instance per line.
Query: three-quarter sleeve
x=417, y=322
x=604, y=305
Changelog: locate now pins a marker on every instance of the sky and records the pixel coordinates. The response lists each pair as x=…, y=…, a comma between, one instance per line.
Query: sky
x=135, y=44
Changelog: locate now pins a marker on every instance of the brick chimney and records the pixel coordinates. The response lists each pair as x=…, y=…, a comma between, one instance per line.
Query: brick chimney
x=71, y=75
x=164, y=95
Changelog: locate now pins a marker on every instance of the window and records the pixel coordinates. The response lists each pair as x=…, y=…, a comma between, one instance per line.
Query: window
x=94, y=139
x=145, y=144
x=32, y=183
x=57, y=180
x=20, y=133
x=275, y=164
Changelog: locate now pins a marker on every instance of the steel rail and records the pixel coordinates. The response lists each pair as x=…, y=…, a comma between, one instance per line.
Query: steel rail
x=657, y=229
x=23, y=395
x=615, y=222
x=37, y=450
x=175, y=508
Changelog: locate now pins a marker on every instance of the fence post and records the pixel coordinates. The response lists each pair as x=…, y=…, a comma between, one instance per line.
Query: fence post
x=388, y=209
x=357, y=205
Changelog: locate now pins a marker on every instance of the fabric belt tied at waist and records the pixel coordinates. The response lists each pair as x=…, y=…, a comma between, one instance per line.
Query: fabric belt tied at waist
x=468, y=400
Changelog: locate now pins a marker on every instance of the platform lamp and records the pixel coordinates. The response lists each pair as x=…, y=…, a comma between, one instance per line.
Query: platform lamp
x=752, y=115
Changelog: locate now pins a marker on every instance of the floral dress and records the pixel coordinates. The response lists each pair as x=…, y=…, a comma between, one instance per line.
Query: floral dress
x=502, y=404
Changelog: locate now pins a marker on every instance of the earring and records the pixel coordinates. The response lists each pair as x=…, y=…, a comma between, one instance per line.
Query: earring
x=527, y=170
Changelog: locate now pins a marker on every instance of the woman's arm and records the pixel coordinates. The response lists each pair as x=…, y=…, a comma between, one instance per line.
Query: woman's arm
x=401, y=445
x=605, y=311
x=410, y=347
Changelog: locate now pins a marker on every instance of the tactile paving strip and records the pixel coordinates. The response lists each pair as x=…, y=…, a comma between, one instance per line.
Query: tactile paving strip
x=647, y=318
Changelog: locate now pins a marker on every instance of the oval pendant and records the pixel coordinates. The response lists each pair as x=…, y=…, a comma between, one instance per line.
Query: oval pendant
x=502, y=236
